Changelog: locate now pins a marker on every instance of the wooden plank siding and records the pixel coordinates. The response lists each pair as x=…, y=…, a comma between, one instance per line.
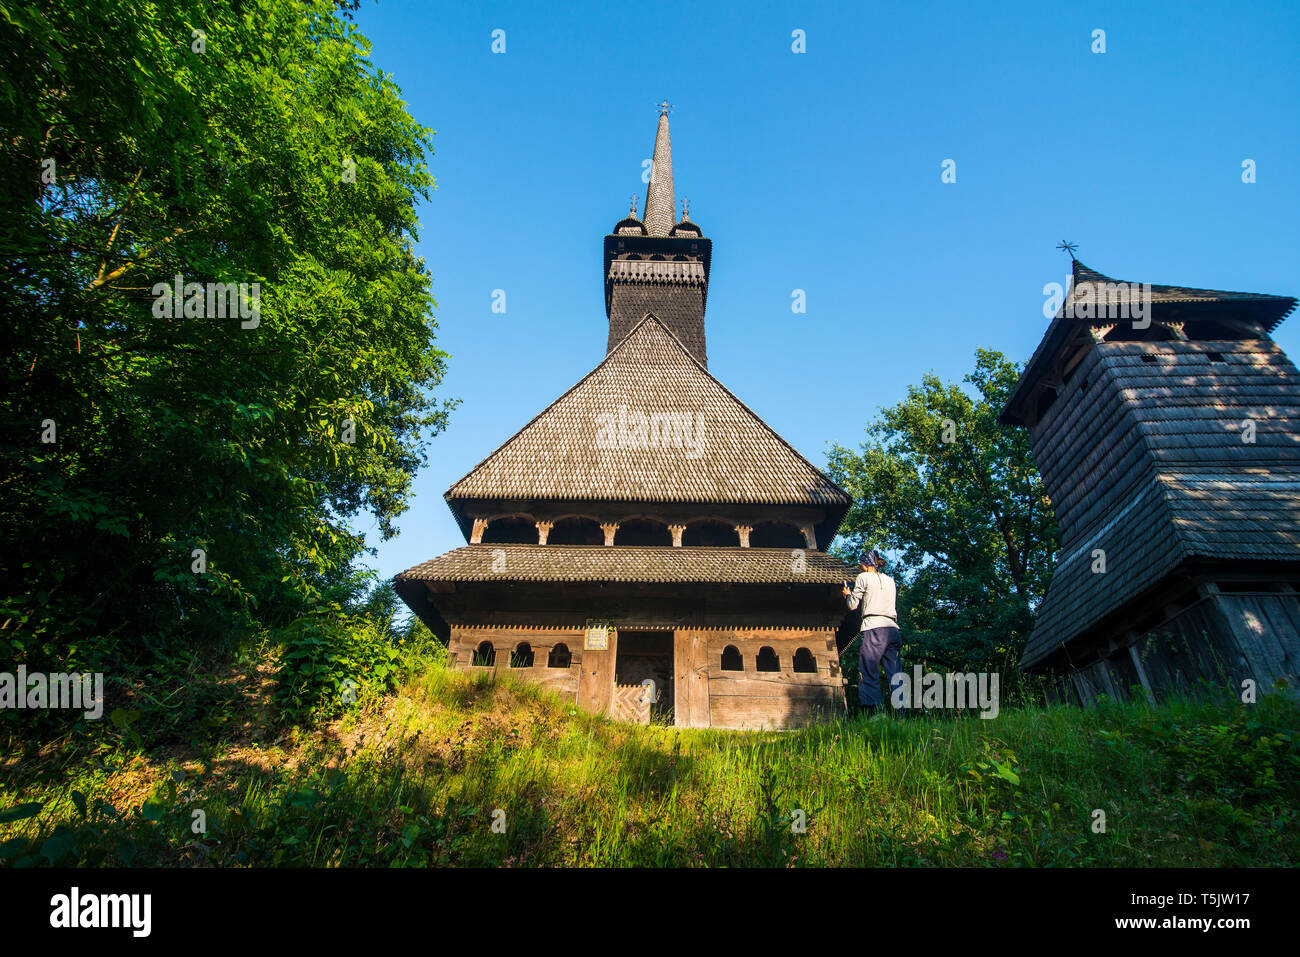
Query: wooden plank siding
x=704, y=694
x=1209, y=647
x=1086, y=440
x=464, y=641
x=690, y=671
x=1268, y=634
x=771, y=700
x=596, y=686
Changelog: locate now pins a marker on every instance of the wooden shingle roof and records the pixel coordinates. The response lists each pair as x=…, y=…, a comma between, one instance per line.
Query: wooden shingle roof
x=659, y=200
x=697, y=443
x=1205, y=513
x=631, y=563
x=1105, y=293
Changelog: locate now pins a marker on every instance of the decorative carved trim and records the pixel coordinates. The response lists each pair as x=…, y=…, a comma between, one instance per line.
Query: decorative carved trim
x=656, y=271
x=609, y=528
x=543, y=529
x=743, y=531
x=480, y=526
x=677, y=531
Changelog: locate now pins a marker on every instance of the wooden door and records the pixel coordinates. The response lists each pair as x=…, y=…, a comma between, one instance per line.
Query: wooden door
x=596, y=684
x=691, y=675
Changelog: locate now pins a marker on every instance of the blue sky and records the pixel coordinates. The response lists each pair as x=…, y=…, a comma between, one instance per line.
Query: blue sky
x=821, y=171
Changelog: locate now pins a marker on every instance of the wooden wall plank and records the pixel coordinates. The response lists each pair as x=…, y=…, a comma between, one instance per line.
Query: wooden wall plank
x=783, y=678
x=691, y=678
x=753, y=687
x=596, y=686
x=768, y=712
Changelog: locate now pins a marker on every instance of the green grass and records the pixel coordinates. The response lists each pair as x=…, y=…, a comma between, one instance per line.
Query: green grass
x=417, y=779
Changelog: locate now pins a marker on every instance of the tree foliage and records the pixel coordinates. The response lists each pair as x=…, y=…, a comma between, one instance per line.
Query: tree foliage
x=222, y=141
x=958, y=499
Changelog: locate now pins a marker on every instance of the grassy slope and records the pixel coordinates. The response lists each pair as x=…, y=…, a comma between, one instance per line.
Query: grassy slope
x=415, y=779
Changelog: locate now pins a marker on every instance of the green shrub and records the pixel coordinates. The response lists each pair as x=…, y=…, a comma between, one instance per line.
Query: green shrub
x=330, y=660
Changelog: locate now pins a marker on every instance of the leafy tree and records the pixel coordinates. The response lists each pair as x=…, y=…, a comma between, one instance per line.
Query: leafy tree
x=221, y=141
x=957, y=498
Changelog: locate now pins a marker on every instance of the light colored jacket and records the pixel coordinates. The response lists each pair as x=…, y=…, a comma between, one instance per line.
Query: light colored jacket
x=876, y=593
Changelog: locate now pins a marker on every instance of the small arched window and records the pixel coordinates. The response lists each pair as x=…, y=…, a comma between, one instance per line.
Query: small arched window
x=711, y=532
x=484, y=655
x=511, y=530
x=767, y=660
x=523, y=656
x=731, y=660
x=559, y=657
x=643, y=531
x=776, y=535
x=574, y=530
x=804, y=662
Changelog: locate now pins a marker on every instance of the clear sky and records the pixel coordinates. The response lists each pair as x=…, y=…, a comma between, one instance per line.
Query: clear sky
x=821, y=171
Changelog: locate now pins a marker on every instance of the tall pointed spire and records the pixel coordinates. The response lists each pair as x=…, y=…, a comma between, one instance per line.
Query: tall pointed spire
x=660, y=205
x=657, y=265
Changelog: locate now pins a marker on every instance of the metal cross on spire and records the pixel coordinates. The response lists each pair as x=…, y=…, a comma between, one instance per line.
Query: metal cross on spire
x=634, y=205
x=1069, y=248
x=686, y=209
x=664, y=107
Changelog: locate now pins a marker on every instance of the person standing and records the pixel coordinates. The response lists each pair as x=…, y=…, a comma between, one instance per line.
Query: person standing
x=880, y=642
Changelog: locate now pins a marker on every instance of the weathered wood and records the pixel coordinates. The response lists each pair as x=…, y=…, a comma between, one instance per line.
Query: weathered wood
x=1137, y=667
x=783, y=678
x=691, y=675
x=768, y=711
x=629, y=703
x=755, y=686
x=1267, y=628
x=596, y=686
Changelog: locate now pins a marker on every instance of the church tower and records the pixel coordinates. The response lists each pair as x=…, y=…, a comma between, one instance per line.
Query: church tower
x=1166, y=424
x=657, y=265
x=647, y=546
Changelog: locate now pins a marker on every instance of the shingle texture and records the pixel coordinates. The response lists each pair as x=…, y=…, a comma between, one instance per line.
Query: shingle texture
x=1091, y=286
x=659, y=200
x=1208, y=514
x=679, y=306
x=649, y=424
x=618, y=563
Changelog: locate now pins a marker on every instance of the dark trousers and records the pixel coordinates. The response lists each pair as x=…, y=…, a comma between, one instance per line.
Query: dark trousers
x=881, y=648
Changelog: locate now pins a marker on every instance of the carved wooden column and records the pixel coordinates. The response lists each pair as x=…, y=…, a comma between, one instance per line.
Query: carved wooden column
x=480, y=526
x=609, y=528
x=743, y=531
x=543, y=530
x=809, y=537
x=678, y=531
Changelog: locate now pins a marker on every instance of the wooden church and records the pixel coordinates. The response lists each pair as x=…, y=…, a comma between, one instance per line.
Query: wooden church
x=1166, y=424
x=647, y=544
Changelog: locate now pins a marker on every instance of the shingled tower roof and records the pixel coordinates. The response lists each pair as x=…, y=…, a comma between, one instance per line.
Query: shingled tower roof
x=647, y=494
x=660, y=205
x=702, y=443
x=654, y=266
x=1138, y=420
x=1103, y=296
